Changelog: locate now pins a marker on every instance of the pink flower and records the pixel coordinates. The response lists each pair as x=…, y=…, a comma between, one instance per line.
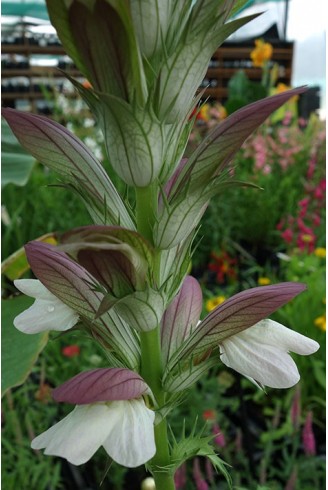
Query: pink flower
x=309, y=444
x=266, y=170
x=287, y=235
x=306, y=241
x=201, y=484
x=316, y=220
x=303, y=204
x=219, y=436
x=180, y=477
x=209, y=471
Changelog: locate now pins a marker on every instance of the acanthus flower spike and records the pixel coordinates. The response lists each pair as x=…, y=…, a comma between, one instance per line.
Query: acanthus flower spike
x=110, y=412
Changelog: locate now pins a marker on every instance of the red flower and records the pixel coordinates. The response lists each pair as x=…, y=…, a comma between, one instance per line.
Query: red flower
x=209, y=414
x=223, y=265
x=71, y=351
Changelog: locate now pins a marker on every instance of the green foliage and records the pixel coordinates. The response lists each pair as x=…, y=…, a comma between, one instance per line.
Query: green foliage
x=242, y=91
x=30, y=210
x=16, y=164
x=20, y=351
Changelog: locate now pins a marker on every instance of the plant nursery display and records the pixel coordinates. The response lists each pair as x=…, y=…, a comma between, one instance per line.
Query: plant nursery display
x=149, y=365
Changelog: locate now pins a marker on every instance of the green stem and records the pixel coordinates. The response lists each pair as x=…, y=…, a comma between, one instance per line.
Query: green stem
x=152, y=371
x=146, y=210
x=151, y=355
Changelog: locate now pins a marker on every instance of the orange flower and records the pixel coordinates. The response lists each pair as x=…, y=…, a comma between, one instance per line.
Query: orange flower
x=261, y=53
x=43, y=394
x=87, y=84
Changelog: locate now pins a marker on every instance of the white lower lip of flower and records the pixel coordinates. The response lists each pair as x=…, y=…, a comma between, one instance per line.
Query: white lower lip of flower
x=124, y=428
x=46, y=313
x=261, y=353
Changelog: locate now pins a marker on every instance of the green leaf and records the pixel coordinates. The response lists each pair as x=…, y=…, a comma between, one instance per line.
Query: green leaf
x=16, y=264
x=16, y=164
x=19, y=351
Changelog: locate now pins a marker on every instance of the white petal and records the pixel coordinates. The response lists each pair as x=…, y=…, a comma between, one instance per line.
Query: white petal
x=46, y=313
x=273, y=333
x=33, y=288
x=268, y=365
x=131, y=441
x=78, y=436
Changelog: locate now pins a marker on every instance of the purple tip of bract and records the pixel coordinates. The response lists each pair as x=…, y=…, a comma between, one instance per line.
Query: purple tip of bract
x=181, y=316
x=255, y=304
x=101, y=385
x=242, y=311
x=172, y=180
x=44, y=257
x=67, y=280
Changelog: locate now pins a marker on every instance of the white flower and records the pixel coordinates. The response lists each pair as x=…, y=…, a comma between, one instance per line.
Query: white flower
x=261, y=353
x=46, y=313
x=124, y=428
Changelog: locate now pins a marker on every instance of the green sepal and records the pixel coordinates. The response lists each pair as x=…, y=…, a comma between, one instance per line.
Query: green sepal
x=197, y=445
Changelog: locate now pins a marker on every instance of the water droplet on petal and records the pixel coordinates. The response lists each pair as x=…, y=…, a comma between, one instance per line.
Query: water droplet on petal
x=51, y=308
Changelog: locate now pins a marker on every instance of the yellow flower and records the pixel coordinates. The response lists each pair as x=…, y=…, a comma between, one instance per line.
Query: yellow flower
x=307, y=238
x=320, y=322
x=214, y=302
x=282, y=87
x=261, y=53
x=204, y=113
x=320, y=252
x=263, y=281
